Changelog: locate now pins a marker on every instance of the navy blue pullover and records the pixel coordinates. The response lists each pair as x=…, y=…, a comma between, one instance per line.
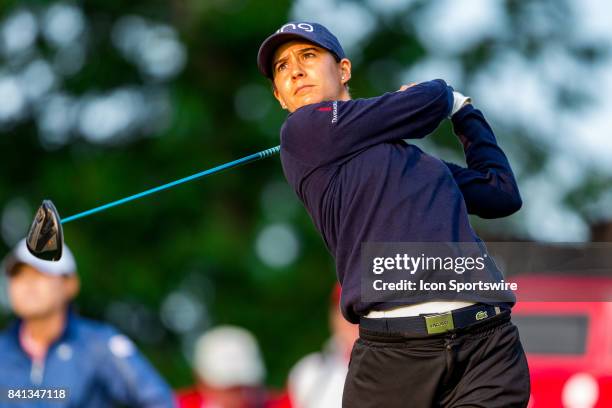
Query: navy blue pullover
x=361, y=182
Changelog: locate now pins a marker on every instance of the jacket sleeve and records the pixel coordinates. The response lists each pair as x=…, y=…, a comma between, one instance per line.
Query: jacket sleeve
x=129, y=378
x=488, y=184
x=324, y=133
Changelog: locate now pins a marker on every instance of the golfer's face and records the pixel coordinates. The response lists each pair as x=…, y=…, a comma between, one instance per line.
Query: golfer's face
x=34, y=294
x=304, y=74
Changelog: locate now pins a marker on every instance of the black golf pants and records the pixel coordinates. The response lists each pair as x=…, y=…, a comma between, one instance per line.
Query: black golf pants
x=482, y=365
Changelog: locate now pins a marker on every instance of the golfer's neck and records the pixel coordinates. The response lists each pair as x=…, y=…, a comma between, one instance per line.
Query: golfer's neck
x=344, y=95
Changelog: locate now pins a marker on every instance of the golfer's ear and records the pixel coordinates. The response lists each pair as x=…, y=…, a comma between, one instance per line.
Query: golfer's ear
x=345, y=70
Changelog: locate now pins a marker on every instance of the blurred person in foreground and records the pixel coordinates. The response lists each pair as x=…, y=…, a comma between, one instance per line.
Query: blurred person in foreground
x=229, y=372
x=50, y=347
x=317, y=380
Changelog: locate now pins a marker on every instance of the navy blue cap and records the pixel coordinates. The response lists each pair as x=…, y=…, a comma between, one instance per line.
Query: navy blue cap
x=299, y=30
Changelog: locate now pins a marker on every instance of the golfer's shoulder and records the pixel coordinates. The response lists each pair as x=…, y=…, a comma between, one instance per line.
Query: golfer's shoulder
x=315, y=120
x=309, y=116
x=305, y=125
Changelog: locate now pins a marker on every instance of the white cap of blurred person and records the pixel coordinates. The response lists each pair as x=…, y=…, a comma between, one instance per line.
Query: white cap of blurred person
x=317, y=380
x=49, y=345
x=227, y=357
x=229, y=369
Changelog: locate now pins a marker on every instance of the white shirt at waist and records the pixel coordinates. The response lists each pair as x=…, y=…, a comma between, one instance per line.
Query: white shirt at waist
x=418, y=308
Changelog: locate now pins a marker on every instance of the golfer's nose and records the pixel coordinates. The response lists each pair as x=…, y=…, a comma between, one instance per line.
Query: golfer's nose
x=297, y=71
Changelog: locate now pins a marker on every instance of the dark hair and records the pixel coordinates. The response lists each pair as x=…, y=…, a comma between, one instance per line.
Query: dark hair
x=13, y=268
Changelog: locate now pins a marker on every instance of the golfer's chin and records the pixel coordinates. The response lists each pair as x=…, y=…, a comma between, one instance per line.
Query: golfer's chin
x=308, y=99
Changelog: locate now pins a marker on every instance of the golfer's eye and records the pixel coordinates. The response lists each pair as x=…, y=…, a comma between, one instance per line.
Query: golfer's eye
x=281, y=67
x=309, y=55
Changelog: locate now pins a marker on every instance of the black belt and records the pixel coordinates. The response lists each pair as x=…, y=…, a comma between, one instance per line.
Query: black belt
x=433, y=323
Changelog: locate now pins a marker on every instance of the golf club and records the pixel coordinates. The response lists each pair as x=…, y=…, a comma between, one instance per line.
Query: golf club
x=46, y=238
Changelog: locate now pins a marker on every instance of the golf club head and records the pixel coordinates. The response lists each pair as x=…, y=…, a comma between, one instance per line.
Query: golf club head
x=45, y=239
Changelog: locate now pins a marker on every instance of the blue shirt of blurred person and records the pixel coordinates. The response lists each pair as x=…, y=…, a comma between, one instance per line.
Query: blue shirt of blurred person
x=49, y=350
x=92, y=361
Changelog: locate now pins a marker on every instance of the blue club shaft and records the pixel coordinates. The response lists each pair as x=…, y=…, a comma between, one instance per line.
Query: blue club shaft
x=244, y=160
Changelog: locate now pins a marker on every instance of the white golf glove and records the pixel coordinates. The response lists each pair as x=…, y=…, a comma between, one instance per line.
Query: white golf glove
x=458, y=100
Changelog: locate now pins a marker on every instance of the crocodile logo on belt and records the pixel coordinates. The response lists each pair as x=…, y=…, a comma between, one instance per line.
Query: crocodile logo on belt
x=481, y=315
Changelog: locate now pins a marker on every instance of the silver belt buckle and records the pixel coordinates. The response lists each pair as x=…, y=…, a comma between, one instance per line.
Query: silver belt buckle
x=439, y=323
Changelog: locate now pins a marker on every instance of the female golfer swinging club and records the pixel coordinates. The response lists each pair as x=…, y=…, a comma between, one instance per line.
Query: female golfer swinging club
x=360, y=182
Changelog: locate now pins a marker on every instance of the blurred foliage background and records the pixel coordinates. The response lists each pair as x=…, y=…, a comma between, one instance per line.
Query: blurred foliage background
x=103, y=99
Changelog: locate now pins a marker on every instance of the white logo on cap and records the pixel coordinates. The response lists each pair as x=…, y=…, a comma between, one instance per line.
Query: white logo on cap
x=302, y=26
